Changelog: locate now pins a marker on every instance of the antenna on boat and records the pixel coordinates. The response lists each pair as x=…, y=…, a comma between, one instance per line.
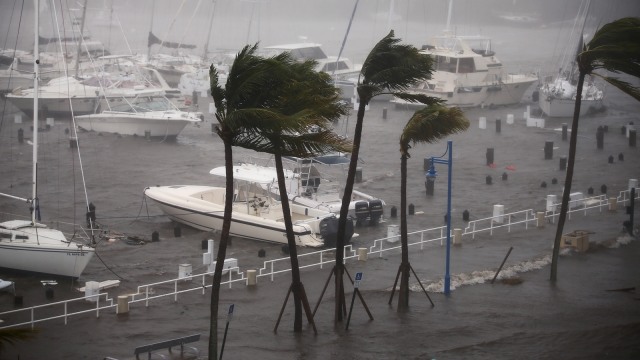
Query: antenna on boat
x=36, y=76
x=448, y=28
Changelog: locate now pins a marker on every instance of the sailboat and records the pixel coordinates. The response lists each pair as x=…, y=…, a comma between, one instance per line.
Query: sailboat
x=557, y=95
x=27, y=245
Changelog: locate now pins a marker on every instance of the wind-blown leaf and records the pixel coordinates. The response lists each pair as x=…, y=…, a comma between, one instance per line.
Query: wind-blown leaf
x=391, y=66
x=431, y=124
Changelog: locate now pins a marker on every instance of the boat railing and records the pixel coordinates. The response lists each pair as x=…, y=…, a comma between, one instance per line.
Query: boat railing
x=390, y=245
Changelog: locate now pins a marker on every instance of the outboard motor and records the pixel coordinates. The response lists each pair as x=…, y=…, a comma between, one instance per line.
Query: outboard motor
x=329, y=230
x=362, y=212
x=376, y=211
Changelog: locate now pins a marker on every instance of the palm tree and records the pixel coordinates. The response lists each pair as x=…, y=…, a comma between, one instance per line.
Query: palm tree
x=390, y=68
x=241, y=108
x=10, y=336
x=425, y=126
x=614, y=48
x=310, y=98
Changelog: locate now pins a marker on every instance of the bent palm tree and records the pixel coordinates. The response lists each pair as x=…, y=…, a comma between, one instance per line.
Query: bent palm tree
x=425, y=126
x=390, y=68
x=241, y=108
x=310, y=98
x=614, y=48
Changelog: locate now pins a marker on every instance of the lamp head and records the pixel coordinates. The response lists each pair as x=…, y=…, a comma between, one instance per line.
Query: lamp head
x=431, y=173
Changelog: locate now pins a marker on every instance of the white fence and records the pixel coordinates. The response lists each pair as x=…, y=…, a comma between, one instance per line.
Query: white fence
x=317, y=259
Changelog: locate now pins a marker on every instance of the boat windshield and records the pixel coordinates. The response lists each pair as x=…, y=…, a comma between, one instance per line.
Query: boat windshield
x=144, y=105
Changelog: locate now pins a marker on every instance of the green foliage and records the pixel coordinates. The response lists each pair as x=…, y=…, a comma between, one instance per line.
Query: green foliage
x=392, y=67
x=11, y=336
x=430, y=124
x=615, y=48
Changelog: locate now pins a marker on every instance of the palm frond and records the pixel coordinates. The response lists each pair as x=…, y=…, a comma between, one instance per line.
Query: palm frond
x=11, y=336
x=431, y=124
x=393, y=66
x=615, y=48
x=624, y=86
x=418, y=98
x=217, y=92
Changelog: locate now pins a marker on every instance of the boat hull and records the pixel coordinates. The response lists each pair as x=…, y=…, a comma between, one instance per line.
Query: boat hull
x=202, y=207
x=55, y=107
x=164, y=124
x=43, y=250
x=555, y=107
x=478, y=96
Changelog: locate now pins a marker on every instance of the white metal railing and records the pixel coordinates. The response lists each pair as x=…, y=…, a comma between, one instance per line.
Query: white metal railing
x=174, y=287
x=32, y=313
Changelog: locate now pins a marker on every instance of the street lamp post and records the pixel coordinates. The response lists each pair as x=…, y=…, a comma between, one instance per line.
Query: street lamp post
x=432, y=174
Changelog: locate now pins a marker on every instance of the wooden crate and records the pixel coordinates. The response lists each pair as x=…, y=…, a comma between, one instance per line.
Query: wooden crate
x=579, y=240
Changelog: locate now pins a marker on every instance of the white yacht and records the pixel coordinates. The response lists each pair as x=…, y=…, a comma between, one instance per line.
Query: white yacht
x=468, y=74
x=62, y=95
x=344, y=72
x=256, y=214
x=142, y=116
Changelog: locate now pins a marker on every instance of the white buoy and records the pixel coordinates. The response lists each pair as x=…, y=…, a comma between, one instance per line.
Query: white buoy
x=362, y=254
x=252, y=278
x=207, y=258
x=540, y=219
x=184, y=271
x=123, y=304
x=91, y=291
x=551, y=202
x=498, y=214
x=393, y=232
x=482, y=122
x=457, y=236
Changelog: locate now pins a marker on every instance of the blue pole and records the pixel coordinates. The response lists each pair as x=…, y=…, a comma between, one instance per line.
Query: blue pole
x=447, y=276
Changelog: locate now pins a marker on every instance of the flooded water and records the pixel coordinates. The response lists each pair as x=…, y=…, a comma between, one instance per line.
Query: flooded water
x=524, y=316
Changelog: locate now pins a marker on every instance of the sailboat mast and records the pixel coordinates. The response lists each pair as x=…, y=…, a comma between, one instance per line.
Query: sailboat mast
x=449, y=15
x=206, y=44
x=36, y=78
x=153, y=3
x=81, y=40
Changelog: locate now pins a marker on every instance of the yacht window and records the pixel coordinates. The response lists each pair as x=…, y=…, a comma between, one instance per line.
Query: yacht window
x=466, y=65
x=329, y=67
x=315, y=53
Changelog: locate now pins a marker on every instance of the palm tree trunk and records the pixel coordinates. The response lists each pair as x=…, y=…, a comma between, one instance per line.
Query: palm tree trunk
x=564, y=207
x=403, y=296
x=344, y=211
x=222, y=251
x=296, y=286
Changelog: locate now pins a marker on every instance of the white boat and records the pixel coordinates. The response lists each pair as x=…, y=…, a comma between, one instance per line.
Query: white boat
x=557, y=98
x=310, y=183
x=63, y=94
x=344, y=72
x=256, y=214
x=30, y=246
x=557, y=94
x=10, y=78
x=467, y=73
x=142, y=116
